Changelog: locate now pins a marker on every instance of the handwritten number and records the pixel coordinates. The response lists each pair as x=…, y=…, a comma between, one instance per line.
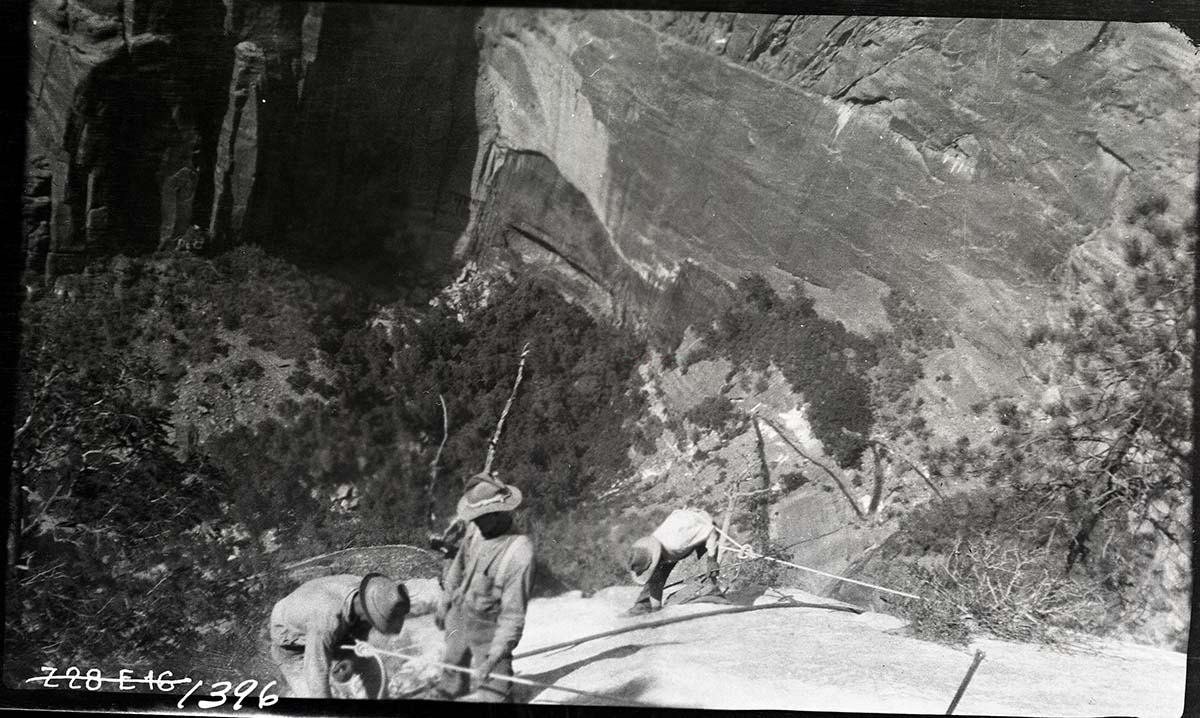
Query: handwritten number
x=95, y=679
x=265, y=699
x=191, y=690
x=51, y=674
x=222, y=692
x=165, y=684
x=243, y=689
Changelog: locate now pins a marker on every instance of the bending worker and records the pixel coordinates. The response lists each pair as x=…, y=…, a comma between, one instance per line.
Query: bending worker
x=486, y=593
x=310, y=622
x=651, y=558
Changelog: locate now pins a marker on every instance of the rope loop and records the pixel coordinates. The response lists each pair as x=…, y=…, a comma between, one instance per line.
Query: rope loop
x=746, y=550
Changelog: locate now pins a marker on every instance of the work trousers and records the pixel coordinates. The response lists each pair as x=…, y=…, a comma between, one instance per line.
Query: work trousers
x=658, y=580
x=291, y=667
x=288, y=655
x=467, y=643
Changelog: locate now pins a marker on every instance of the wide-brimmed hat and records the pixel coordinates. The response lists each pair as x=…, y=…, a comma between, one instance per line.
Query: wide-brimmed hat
x=644, y=556
x=487, y=495
x=385, y=601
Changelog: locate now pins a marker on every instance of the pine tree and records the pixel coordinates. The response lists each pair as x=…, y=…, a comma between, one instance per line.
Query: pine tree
x=1114, y=444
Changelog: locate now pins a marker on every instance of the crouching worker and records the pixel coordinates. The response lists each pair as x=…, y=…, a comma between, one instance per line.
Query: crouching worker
x=651, y=558
x=310, y=623
x=486, y=593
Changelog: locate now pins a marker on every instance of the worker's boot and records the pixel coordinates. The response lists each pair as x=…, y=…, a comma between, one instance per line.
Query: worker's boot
x=641, y=608
x=708, y=582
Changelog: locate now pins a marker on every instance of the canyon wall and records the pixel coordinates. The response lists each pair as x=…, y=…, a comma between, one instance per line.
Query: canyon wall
x=956, y=161
x=644, y=159
x=345, y=134
x=122, y=97
x=152, y=122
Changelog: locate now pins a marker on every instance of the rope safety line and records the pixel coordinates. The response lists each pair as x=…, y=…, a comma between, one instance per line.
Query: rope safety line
x=746, y=550
x=741, y=561
x=364, y=649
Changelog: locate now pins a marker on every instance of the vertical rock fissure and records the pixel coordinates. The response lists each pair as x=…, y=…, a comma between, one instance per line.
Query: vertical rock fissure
x=383, y=149
x=234, y=166
x=123, y=110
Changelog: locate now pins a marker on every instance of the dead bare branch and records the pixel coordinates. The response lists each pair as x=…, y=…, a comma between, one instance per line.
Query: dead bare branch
x=491, y=455
x=24, y=427
x=913, y=465
x=435, y=466
x=836, y=479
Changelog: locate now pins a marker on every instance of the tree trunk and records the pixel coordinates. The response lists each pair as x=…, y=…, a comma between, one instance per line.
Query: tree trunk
x=836, y=479
x=878, y=453
x=762, y=516
x=1113, y=459
x=435, y=467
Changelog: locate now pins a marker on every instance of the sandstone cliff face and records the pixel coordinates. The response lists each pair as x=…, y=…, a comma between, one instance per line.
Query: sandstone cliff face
x=121, y=102
x=129, y=102
x=644, y=158
x=252, y=150
x=954, y=160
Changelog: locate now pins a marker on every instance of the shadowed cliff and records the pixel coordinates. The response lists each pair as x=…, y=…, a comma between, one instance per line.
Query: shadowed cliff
x=385, y=140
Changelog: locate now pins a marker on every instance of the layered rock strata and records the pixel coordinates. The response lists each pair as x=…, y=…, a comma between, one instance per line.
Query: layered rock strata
x=954, y=160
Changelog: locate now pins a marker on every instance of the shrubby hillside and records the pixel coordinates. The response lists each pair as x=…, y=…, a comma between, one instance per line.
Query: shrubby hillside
x=1076, y=512
x=189, y=426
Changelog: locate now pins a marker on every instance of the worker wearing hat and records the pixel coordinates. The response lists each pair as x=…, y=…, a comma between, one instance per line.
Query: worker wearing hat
x=486, y=592
x=310, y=622
x=651, y=558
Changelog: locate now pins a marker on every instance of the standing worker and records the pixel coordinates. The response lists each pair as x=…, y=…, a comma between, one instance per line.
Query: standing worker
x=311, y=622
x=651, y=558
x=486, y=593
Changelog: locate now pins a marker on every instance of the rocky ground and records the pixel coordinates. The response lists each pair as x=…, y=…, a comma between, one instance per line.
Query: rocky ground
x=810, y=659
